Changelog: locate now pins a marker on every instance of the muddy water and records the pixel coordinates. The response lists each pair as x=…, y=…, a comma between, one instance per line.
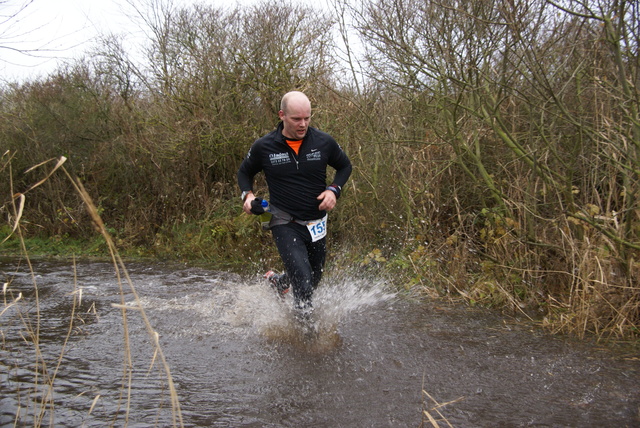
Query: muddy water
x=238, y=359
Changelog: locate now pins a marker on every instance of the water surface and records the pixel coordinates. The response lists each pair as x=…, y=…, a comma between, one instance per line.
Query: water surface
x=238, y=358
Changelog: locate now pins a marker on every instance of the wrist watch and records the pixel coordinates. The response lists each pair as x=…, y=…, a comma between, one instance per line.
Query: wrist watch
x=244, y=195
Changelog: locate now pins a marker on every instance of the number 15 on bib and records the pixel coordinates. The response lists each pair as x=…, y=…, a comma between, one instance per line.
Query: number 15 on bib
x=318, y=229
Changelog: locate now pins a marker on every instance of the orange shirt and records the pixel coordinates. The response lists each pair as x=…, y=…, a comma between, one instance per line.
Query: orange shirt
x=295, y=145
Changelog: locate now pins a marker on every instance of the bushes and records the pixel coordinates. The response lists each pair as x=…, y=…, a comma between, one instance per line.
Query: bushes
x=491, y=160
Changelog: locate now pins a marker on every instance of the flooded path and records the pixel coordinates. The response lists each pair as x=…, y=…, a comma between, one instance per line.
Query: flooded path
x=238, y=359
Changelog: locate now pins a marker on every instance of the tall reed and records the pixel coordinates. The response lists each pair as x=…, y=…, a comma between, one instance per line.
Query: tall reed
x=42, y=410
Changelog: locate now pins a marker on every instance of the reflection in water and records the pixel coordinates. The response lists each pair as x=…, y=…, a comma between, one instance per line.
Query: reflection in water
x=239, y=358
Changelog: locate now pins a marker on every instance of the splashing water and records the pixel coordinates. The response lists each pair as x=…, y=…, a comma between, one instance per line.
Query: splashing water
x=250, y=308
x=336, y=298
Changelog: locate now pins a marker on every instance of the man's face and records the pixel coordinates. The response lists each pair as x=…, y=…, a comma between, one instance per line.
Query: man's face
x=296, y=119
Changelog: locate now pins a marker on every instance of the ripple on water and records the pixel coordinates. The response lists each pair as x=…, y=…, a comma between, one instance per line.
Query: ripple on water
x=238, y=357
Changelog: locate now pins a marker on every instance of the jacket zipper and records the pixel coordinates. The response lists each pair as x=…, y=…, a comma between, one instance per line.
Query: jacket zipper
x=295, y=157
x=293, y=153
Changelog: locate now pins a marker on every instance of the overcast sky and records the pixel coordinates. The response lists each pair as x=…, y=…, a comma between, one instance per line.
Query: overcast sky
x=55, y=30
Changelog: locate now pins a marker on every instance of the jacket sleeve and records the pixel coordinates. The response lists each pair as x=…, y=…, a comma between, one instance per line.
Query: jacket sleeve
x=341, y=163
x=249, y=167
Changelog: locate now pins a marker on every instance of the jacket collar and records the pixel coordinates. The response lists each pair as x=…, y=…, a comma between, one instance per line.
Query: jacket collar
x=280, y=136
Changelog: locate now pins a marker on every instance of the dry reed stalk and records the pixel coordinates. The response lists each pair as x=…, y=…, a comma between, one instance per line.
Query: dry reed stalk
x=41, y=373
x=436, y=408
x=122, y=272
x=77, y=297
x=602, y=299
x=40, y=366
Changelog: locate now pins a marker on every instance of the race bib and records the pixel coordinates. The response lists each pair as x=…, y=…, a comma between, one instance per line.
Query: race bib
x=318, y=228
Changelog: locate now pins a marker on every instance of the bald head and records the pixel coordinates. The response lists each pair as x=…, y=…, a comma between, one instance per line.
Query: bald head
x=295, y=113
x=294, y=99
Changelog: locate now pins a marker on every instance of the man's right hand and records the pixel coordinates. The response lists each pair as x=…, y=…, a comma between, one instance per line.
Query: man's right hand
x=256, y=207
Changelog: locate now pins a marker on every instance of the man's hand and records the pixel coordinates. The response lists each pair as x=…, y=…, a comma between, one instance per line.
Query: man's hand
x=256, y=207
x=246, y=207
x=328, y=199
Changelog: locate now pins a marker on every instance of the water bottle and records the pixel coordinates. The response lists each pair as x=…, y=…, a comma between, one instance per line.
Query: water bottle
x=265, y=218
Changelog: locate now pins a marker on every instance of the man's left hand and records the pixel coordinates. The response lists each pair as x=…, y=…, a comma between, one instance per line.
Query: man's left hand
x=328, y=199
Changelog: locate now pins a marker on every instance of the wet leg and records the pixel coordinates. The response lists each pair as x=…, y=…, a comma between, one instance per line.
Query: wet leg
x=292, y=240
x=317, y=254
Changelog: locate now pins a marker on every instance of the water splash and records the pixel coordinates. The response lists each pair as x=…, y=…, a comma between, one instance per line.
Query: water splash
x=336, y=299
x=250, y=308
x=344, y=296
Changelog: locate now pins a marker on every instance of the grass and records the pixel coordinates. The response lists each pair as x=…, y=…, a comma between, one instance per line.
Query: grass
x=431, y=414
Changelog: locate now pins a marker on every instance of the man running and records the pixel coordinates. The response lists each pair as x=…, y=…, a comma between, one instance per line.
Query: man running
x=294, y=159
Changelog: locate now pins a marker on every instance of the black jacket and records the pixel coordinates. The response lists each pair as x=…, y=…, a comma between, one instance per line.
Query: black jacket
x=295, y=181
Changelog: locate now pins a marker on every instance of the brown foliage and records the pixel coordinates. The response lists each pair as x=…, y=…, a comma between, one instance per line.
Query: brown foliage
x=496, y=145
